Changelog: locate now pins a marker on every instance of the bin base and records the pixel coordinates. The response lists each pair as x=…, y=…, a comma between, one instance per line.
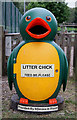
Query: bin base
x=36, y=108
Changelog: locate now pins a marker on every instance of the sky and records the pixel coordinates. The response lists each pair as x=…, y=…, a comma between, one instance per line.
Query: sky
x=71, y=3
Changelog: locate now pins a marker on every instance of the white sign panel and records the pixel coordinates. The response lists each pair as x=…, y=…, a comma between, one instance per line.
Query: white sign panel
x=8, y=46
x=8, y=42
x=7, y=51
x=37, y=70
x=38, y=109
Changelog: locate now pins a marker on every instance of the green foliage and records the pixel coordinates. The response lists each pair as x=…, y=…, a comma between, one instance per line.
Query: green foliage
x=20, y=6
x=59, y=9
x=72, y=16
x=68, y=29
x=75, y=15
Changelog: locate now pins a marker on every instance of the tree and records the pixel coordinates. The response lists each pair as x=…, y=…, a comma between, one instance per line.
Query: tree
x=20, y=6
x=59, y=9
x=72, y=15
x=75, y=15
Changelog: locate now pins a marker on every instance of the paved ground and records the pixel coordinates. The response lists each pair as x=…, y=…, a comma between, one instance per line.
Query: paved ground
x=68, y=111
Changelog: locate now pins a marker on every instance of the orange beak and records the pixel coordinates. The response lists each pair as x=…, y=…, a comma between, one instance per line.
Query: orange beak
x=38, y=28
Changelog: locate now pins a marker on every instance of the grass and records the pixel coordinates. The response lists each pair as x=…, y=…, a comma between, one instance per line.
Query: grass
x=68, y=111
x=68, y=29
x=70, y=101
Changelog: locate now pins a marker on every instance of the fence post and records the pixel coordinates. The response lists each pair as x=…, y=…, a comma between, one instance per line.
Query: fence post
x=68, y=48
x=0, y=51
x=75, y=69
x=3, y=52
x=61, y=42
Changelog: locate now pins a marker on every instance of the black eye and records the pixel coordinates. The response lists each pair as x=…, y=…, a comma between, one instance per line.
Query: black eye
x=48, y=18
x=28, y=18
